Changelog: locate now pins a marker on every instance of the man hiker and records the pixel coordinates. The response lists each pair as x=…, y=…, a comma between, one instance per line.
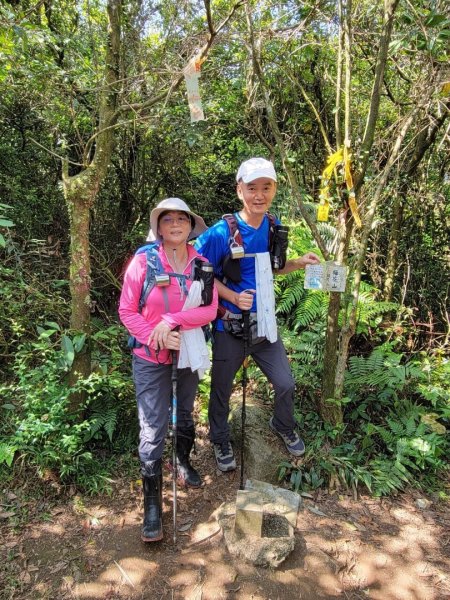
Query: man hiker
x=241, y=248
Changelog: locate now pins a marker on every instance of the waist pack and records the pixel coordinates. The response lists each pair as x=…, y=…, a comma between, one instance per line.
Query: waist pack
x=235, y=327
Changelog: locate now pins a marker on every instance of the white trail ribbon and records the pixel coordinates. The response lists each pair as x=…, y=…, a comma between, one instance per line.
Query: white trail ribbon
x=193, y=349
x=191, y=77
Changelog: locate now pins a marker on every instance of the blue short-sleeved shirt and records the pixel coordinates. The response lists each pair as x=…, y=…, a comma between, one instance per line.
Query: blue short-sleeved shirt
x=214, y=244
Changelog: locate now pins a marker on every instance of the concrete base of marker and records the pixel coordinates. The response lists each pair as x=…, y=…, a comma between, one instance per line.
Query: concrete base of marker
x=259, y=527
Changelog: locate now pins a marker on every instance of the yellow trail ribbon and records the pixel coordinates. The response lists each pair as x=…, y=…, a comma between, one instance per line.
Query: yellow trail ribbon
x=341, y=157
x=322, y=211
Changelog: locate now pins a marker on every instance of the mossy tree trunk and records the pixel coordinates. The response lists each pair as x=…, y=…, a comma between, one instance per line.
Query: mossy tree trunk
x=80, y=192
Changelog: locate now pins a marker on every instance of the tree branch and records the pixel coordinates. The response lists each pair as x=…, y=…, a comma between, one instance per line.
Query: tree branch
x=315, y=111
x=278, y=137
x=178, y=79
x=390, y=7
x=337, y=114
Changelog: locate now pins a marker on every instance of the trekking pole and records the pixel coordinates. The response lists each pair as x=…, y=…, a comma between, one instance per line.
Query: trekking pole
x=174, y=441
x=245, y=337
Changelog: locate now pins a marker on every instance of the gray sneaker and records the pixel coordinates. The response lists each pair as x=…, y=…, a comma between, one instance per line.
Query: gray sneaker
x=224, y=457
x=294, y=444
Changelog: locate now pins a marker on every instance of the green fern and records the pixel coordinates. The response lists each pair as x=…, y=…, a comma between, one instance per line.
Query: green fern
x=388, y=477
x=290, y=292
x=312, y=309
x=104, y=416
x=301, y=307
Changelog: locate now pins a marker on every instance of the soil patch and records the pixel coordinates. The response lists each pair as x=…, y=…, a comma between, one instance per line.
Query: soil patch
x=81, y=548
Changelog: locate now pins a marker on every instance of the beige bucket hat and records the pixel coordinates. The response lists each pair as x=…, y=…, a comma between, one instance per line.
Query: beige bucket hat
x=174, y=204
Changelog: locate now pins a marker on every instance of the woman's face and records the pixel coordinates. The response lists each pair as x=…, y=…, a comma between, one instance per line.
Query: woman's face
x=174, y=226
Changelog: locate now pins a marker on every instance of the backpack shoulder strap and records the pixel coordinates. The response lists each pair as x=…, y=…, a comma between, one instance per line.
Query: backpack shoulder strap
x=235, y=235
x=154, y=267
x=272, y=224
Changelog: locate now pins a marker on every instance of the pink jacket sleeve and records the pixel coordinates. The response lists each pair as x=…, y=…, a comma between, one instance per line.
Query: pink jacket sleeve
x=129, y=314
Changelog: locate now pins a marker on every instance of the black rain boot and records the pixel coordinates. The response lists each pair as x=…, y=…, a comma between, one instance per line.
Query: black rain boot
x=152, y=484
x=185, y=471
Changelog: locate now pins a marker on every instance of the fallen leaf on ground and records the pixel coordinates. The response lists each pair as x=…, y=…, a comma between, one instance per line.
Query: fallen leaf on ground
x=59, y=566
x=6, y=515
x=316, y=511
x=25, y=577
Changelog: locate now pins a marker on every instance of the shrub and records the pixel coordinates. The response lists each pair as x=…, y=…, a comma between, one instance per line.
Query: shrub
x=39, y=429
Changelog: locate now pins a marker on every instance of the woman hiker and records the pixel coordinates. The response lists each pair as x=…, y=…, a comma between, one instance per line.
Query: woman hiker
x=157, y=322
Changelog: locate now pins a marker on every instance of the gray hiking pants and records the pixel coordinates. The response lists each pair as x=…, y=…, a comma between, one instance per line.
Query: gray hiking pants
x=228, y=354
x=154, y=399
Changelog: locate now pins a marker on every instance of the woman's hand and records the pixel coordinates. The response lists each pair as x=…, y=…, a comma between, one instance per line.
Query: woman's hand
x=162, y=337
x=173, y=341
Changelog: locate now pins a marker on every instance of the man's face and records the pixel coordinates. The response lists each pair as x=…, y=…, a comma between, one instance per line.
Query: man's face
x=257, y=195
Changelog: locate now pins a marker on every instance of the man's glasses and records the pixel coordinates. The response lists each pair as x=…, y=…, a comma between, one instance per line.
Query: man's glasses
x=181, y=220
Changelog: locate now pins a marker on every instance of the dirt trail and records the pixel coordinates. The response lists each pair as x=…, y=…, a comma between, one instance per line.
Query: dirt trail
x=385, y=550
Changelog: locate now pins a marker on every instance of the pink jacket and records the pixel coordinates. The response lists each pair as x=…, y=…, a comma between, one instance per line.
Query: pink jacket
x=140, y=325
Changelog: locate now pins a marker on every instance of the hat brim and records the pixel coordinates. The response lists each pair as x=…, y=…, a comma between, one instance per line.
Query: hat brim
x=199, y=224
x=257, y=174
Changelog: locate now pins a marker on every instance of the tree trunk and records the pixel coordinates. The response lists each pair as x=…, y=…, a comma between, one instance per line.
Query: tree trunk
x=80, y=192
x=424, y=140
x=394, y=239
x=332, y=413
x=337, y=346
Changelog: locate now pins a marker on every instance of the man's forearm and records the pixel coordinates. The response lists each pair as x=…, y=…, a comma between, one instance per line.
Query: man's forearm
x=225, y=293
x=295, y=264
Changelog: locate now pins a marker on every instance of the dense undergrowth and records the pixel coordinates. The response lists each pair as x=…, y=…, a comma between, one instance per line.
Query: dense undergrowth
x=396, y=402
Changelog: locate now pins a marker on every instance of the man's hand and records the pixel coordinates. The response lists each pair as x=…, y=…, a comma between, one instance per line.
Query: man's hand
x=294, y=264
x=245, y=299
x=307, y=259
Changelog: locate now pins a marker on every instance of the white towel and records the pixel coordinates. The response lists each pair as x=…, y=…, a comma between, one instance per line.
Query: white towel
x=265, y=298
x=193, y=349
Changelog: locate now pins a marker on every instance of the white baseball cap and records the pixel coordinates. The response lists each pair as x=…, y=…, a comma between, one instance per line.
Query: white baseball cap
x=178, y=205
x=253, y=168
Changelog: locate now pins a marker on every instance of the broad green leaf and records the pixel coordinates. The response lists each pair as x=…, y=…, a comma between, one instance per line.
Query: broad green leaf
x=68, y=349
x=78, y=342
x=45, y=333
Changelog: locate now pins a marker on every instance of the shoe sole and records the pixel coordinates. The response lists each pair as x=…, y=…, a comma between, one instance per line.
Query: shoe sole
x=278, y=434
x=226, y=469
x=154, y=539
